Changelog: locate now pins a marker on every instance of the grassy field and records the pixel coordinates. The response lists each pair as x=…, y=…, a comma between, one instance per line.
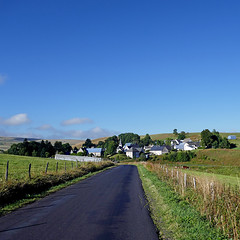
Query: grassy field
x=19, y=165
x=213, y=161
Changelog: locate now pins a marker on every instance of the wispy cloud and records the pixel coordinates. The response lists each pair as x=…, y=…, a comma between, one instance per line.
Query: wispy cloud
x=2, y=78
x=45, y=127
x=76, y=121
x=93, y=133
x=18, y=119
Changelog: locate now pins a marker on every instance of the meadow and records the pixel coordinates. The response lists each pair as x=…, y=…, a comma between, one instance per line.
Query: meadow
x=19, y=166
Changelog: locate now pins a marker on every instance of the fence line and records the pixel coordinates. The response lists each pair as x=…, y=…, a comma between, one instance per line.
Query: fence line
x=220, y=203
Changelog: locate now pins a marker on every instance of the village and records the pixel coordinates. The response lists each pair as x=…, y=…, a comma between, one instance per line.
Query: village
x=134, y=150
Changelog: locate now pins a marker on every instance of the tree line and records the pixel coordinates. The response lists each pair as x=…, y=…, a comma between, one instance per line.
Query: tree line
x=39, y=149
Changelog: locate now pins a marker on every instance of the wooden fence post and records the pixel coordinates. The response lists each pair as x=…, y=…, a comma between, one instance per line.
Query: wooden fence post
x=46, y=168
x=29, y=170
x=6, y=176
x=57, y=167
x=172, y=173
x=65, y=167
x=194, y=183
x=185, y=180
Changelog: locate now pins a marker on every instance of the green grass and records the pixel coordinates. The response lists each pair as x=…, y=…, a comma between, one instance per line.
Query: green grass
x=224, y=179
x=224, y=163
x=18, y=166
x=172, y=215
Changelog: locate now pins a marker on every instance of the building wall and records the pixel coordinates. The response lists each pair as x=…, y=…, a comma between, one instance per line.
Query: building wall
x=156, y=152
x=77, y=158
x=129, y=154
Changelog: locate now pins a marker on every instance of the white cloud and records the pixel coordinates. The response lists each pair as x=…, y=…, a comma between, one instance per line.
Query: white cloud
x=75, y=121
x=18, y=119
x=2, y=78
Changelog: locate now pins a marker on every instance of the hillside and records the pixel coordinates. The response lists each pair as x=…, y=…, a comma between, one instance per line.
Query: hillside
x=161, y=136
x=7, y=142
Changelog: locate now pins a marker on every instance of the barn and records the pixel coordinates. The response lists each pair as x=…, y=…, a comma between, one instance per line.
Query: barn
x=232, y=137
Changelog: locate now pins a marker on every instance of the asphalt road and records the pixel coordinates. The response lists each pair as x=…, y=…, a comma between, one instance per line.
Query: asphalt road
x=109, y=205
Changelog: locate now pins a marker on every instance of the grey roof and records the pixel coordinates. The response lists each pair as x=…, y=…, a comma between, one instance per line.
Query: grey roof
x=135, y=149
x=94, y=150
x=197, y=144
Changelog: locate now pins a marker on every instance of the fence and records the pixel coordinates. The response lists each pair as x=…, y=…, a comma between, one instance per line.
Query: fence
x=14, y=170
x=218, y=202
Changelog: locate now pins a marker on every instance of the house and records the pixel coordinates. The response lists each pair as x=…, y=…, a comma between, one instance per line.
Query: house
x=191, y=146
x=159, y=150
x=148, y=148
x=187, y=146
x=134, y=152
x=97, y=152
x=81, y=150
x=232, y=137
x=175, y=143
x=128, y=146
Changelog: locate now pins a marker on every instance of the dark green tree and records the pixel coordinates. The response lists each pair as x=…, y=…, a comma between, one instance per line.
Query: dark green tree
x=88, y=143
x=175, y=132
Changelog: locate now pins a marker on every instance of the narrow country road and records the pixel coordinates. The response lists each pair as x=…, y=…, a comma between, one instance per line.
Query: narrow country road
x=109, y=205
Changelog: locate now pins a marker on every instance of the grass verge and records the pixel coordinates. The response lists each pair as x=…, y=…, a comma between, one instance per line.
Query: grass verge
x=172, y=215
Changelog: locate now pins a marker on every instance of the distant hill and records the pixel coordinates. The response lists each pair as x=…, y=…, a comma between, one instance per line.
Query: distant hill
x=161, y=136
x=7, y=142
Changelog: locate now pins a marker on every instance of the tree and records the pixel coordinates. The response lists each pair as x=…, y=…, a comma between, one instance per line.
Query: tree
x=168, y=141
x=146, y=141
x=66, y=148
x=88, y=143
x=129, y=138
x=175, y=132
x=160, y=142
x=100, y=144
x=206, y=138
x=181, y=135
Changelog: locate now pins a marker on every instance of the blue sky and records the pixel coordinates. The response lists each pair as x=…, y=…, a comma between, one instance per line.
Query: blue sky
x=79, y=69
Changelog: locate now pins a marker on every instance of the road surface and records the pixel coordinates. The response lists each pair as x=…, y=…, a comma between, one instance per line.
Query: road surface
x=107, y=206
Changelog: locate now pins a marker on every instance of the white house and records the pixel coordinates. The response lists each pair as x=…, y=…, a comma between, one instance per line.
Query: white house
x=187, y=146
